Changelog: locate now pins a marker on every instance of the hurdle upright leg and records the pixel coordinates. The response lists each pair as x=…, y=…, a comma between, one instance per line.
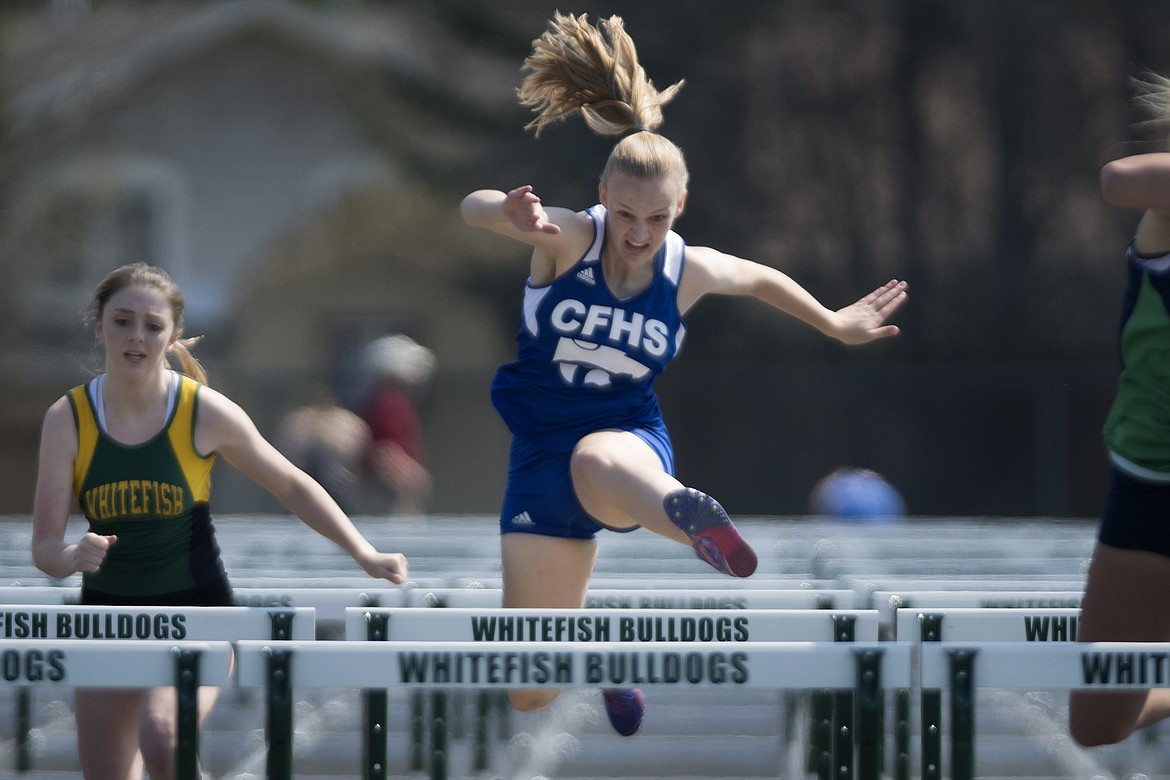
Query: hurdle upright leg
x=483, y=708
x=280, y=715
x=187, y=688
x=844, y=709
x=870, y=709
x=820, y=755
x=962, y=714
x=439, y=733
x=931, y=708
x=376, y=712
x=23, y=729
x=902, y=708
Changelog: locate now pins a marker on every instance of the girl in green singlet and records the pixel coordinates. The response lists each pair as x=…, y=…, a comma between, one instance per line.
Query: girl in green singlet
x=134, y=449
x=1128, y=587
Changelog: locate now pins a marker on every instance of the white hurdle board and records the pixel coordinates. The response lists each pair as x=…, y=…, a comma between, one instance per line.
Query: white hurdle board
x=721, y=665
x=964, y=668
x=1050, y=665
x=39, y=594
x=330, y=602
x=521, y=626
x=991, y=625
x=79, y=623
x=718, y=598
x=102, y=664
x=887, y=602
x=649, y=598
x=870, y=583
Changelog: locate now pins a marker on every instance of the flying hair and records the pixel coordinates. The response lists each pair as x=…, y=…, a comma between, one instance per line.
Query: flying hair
x=1152, y=94
x=576, y=67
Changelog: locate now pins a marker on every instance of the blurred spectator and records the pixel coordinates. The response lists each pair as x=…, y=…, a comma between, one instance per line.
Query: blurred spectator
x=401, y=369
x=326, y=441
x=858, y=494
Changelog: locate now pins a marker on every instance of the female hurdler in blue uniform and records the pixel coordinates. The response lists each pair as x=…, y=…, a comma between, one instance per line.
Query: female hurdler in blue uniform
x=607, y=292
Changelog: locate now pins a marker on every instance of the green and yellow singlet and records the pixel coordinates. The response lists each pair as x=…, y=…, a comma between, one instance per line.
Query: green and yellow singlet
x=153, y=496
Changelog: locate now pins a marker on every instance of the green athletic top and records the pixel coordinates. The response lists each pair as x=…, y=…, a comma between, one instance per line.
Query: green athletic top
x=153, y=496
x=1137, y=430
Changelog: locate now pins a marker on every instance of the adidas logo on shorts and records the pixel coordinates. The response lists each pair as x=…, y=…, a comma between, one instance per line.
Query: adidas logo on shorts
x=586, y=276
x=523, y=519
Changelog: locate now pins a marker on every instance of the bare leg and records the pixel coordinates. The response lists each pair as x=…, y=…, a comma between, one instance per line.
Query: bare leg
x=158, y=728
x=122, y=732
x=1125, y=601
x=549, y=572
x=620, y=481
x=107, y=733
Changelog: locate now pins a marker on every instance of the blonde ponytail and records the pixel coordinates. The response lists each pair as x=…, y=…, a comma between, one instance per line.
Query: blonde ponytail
x=1152, y=94
x=576, y=67
x=188, y=363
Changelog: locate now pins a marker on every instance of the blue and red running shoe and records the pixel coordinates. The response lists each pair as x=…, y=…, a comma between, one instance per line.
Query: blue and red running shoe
x=625, y=708
x=712, y=534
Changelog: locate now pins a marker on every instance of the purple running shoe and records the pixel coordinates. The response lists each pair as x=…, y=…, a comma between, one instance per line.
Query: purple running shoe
x=625, y=708
x=712, y=534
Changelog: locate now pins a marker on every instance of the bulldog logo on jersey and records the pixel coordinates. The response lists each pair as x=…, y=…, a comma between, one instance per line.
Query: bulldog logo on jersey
x=585, y=364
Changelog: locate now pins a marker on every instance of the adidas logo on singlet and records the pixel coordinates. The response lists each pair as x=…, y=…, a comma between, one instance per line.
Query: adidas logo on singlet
x=586, y=276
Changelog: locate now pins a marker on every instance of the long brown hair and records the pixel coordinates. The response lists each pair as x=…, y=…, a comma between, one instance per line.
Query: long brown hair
x=143, y=275
x=576, y=67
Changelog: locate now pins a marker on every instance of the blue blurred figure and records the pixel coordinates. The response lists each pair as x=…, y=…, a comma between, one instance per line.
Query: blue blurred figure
x=857, y=494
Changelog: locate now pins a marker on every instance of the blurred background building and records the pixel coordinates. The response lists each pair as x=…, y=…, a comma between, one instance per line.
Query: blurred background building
x=297, y=166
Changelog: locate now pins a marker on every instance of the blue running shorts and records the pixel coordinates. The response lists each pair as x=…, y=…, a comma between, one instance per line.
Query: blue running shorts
x=540, y=499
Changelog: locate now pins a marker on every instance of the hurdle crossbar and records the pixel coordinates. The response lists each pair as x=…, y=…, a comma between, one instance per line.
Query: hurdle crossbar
x=57, y=621
x=972, y=624
x=961, y=668
x=800, y=665
x=606, y=625
x=1058, y=665
x=868, y=668
x=39, y=594
x=330, y=602
x=115, y=663
x=624, y=626
x=648, y=598
x=887, y=602
x=40, y=621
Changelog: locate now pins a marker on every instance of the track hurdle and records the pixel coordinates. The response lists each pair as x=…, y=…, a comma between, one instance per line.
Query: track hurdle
x=632, y=597
x=833, y=727
x=866, y=668
x=888, y=602
x=455, y=624
x=121, y=663
x=648, y=598
x=964, y=667
x=699, y=583
x=988, y=625
x=972, y=625
x=57, y=622
x=329, y=603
